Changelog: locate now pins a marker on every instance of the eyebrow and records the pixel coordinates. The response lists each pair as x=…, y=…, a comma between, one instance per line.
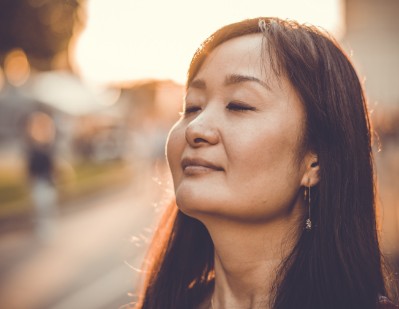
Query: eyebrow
x=197, y=84
x=230, y=80
x=237, y=79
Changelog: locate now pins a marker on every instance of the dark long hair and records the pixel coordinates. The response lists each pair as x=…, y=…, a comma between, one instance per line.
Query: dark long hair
x=338, y=263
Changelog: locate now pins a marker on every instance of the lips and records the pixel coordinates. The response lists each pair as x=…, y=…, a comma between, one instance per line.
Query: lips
x=197, y=165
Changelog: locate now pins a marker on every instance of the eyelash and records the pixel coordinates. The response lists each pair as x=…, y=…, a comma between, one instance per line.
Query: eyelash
x=232, y=106
x=189, y=110
x=239, y=107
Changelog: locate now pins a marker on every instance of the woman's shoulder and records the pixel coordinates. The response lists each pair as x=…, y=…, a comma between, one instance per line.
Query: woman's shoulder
x=385, y=303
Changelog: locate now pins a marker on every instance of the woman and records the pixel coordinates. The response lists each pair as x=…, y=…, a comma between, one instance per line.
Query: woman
x=273, y=175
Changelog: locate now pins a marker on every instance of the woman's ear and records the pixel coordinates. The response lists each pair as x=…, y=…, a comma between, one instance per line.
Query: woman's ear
x=311, y=177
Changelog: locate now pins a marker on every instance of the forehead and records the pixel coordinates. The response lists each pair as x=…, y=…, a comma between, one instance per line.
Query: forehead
x=246, y=55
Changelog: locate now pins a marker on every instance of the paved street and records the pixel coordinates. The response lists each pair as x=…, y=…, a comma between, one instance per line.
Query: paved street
x=92, y=260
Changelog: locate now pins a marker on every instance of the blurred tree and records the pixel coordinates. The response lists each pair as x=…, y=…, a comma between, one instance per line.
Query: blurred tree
x=42, y=28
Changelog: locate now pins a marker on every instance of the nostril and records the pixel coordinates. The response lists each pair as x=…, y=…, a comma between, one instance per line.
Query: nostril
x=199, y=140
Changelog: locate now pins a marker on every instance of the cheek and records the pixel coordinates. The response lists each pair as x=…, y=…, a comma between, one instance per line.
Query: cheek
x=266, y=165
x=265, y=148
x=174, y=149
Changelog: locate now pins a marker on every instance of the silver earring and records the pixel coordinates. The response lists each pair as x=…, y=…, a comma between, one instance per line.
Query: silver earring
x=308, y=222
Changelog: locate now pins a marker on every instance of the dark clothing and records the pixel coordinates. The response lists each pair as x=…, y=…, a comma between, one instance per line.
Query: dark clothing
x=40, y=163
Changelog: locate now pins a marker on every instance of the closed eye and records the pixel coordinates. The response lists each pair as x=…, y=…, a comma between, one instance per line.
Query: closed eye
x=190, y=109
x=240, y=107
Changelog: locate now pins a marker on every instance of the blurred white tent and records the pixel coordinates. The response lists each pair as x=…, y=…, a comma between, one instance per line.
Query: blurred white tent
x=66, y=92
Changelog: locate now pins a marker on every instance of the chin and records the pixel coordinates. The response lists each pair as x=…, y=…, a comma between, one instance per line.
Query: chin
x=198, y=206
x=191, y=206
x=203, y=209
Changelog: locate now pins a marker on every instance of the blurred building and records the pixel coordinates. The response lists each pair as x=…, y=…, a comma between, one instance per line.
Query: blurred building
x=157, y=99
x=372, y=34
x=372, y=38
x=150, y=107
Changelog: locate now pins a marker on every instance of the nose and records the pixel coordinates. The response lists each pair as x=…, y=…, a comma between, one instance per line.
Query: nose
x=202, y=131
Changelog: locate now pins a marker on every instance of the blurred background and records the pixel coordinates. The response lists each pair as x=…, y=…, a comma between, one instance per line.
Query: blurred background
x=88, y=92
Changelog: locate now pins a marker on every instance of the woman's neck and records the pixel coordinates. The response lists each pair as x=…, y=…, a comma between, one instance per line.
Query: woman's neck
x=247, y=257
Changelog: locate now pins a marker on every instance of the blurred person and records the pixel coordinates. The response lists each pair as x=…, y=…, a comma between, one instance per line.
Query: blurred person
x=40, y=133
x=273, y=176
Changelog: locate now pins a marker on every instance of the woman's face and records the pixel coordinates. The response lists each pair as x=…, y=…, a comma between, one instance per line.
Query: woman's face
x=235, y=152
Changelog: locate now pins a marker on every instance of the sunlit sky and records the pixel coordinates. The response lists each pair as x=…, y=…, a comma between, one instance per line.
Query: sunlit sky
x=134, y=39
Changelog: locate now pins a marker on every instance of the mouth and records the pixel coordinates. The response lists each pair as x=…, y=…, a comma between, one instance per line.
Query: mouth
x=192, y=166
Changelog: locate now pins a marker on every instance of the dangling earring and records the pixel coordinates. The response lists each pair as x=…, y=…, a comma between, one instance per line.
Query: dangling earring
x=308, y=222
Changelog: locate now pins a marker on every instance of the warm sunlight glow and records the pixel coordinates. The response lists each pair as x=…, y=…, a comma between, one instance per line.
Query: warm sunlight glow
x=2, y=78
x=135, y=39
x=16, y=67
